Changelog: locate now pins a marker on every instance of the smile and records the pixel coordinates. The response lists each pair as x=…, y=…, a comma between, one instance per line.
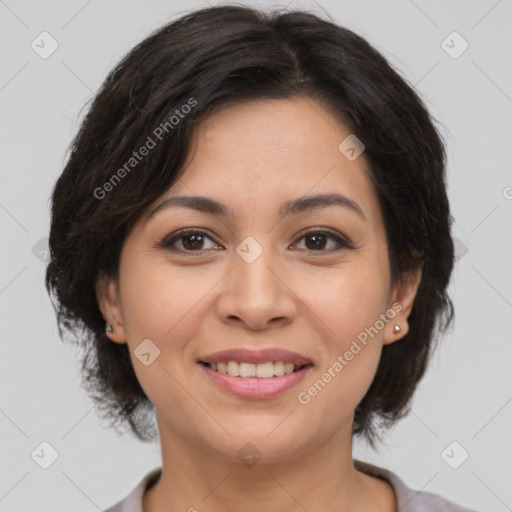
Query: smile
x=247, y=373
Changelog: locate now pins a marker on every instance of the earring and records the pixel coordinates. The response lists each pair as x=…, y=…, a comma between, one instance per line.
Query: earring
x=396, y=329
x=109, y=328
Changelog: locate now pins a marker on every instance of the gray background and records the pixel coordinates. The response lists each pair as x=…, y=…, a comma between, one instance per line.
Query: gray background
x=466, y=395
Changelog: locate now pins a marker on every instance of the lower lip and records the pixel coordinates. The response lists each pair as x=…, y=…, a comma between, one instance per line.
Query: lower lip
x=253, y=387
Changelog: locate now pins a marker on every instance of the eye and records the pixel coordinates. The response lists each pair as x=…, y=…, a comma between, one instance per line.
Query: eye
x=194, y=240
x=318, y=239
x=190, y=240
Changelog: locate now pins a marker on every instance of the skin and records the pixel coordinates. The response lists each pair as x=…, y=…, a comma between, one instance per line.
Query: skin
x=254, y=157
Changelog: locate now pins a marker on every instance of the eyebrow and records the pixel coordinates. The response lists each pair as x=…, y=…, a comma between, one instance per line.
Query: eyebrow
x=292, y=207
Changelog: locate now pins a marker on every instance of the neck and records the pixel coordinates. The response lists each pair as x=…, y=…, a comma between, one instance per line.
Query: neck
x=321, y=478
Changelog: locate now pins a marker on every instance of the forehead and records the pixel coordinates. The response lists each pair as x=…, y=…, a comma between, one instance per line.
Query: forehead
x=276, y=133
x=253, y=154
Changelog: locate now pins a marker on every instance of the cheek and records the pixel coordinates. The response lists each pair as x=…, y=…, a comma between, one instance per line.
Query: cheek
x=160, y=302
x=349, y=301
x=350, y=310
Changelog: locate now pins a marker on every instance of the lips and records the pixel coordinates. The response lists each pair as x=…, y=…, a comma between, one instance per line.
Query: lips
x=261, y=374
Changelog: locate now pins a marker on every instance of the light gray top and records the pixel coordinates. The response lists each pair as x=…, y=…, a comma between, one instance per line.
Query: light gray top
x=408, y=499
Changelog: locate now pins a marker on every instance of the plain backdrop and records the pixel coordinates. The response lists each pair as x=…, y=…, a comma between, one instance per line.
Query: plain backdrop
x=466, y=396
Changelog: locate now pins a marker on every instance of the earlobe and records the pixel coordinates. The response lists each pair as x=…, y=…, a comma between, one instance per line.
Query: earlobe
x=107, y=295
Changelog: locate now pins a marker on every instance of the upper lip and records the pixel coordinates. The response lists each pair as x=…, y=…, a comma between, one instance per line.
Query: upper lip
x=242, y=355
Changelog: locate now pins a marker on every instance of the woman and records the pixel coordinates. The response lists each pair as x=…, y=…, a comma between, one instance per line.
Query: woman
x=253, y=232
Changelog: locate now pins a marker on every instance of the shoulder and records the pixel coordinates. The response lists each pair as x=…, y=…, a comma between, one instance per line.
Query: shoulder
x=408, y=499
x=133, y=502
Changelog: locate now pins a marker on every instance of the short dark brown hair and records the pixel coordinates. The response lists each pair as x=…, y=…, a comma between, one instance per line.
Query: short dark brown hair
x=221, y=56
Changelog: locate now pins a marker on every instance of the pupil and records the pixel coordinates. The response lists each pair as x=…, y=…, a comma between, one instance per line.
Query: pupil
x=316, y=245
x=193, y=245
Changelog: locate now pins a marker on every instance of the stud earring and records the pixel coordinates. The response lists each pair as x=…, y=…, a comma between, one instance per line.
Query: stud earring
x=396, y=329
x=109, y=328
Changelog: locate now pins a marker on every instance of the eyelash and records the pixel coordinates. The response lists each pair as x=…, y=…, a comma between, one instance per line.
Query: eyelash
x=168, y=242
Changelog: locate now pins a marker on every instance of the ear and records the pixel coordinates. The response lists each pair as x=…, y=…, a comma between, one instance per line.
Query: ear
x=109, y=302
x=401, y=302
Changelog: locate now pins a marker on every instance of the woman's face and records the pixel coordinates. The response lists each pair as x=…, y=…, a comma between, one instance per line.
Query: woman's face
x=261, y=278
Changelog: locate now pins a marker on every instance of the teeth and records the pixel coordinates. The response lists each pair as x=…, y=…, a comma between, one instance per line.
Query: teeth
x=245, y=369
x=262, y=370
x=233, y=369
x=265, y=370
x=279, y=368
x=288, y=368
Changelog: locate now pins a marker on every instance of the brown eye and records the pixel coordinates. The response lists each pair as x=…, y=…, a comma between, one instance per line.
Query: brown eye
x=318, y=240
x=187, y=241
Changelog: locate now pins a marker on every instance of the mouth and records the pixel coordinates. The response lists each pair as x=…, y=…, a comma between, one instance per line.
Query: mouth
x=248, y=374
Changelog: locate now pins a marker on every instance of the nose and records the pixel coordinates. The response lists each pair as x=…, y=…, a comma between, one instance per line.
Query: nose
x=256, y=295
